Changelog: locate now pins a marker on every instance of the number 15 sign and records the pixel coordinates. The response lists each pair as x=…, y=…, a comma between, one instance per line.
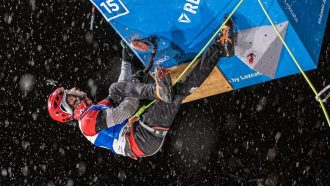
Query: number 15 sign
x=110, y=9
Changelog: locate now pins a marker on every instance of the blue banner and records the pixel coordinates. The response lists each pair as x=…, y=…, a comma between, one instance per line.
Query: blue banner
x=183, y=27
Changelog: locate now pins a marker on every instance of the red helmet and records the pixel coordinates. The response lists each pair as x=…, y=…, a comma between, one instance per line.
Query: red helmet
x=58, y=108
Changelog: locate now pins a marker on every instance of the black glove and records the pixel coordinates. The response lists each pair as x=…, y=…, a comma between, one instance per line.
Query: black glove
x=127, y=54
x=138, y=76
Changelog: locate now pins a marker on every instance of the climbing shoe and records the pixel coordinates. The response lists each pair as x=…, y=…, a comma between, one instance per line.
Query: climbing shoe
x=226, y=39
x=164, y=89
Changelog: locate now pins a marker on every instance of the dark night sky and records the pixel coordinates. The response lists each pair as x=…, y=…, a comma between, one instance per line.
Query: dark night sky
x=269, y=134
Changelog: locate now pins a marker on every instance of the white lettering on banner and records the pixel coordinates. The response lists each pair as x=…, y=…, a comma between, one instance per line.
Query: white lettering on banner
x=291, y=11
x=191, y=7
x=162, y=60
x=110, y=6
x=248, y=76
x=244, y=77
x=184, y=18
x=193, y=89
x=322, y=12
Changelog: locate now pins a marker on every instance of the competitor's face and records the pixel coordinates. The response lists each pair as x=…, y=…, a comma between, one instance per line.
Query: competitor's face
x=74, y=96
x=71, y=100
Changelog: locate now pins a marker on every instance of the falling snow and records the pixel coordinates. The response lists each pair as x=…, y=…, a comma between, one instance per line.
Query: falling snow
x=26, y=82
x=265, y=135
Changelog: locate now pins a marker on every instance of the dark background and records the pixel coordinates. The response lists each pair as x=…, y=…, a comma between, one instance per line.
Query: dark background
x=269, y=134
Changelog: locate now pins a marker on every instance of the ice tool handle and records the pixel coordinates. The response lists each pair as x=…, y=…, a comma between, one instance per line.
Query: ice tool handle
x=153, y=41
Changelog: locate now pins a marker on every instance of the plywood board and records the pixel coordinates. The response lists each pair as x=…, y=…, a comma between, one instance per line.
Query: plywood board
x=214, y=84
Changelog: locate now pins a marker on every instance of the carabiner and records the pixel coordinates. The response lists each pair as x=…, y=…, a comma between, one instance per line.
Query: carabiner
x=323, y=92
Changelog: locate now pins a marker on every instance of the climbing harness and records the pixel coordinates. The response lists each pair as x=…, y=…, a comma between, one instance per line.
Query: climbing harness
x=155, y=131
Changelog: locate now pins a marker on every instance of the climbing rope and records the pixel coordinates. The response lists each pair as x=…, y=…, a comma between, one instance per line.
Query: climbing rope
x=144, y=107
x=297, y=64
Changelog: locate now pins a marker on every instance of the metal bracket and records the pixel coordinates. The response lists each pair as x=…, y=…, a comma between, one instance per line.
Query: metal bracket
x=323, y=92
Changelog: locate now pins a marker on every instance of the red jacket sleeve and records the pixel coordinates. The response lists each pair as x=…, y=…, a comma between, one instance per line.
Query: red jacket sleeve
x=89, y=120
x=104, y=102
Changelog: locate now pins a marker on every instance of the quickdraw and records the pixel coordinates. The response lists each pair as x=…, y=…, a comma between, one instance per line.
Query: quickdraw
x=325, y=112
x=318, y=96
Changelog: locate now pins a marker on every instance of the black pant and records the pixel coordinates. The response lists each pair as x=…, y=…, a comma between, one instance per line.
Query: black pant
x=162, y=114
x=119, y=90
